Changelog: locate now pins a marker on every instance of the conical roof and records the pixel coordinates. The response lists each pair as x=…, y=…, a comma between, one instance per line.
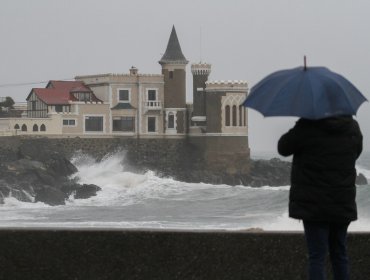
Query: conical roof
x=173, y=52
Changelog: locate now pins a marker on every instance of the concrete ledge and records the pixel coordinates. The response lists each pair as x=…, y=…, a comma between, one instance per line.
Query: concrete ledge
x=152, y=254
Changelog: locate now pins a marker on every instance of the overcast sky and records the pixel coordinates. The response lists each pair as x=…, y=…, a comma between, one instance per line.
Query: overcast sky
x=242, y=39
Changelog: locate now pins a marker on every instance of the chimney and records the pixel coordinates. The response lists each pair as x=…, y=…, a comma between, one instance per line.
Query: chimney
x=133, y=71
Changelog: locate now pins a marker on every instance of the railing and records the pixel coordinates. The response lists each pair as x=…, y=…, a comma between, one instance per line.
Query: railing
x=40, y=113
x=153, y=105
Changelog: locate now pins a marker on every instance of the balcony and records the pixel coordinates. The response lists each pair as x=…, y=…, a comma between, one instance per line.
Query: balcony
x=152, y=105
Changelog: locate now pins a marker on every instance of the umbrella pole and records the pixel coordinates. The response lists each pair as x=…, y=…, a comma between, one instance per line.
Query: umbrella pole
x=304, y=63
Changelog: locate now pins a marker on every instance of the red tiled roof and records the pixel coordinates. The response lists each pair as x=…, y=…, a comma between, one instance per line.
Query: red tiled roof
x=53, y=96
x=60, y=92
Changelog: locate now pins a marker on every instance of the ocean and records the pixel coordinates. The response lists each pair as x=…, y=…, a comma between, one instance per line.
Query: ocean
x=146, y=201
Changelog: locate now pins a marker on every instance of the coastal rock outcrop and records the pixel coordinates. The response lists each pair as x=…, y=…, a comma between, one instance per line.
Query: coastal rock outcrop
x=37, y=173
x=361, y=179
x=274, y=172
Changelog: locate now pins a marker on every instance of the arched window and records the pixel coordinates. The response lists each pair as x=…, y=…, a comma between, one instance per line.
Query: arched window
x=24, y=127
x=171, y=120
x=234, y=115
x=227, y=115
x=42, y=127
x=35, y=128
x=240, y=115
x=16, y=126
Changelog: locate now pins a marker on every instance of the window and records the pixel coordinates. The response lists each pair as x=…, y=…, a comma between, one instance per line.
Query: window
x=152, y=95
x=69, y=122
x=42, y=127
x=24, y=127
x=35, y=128
x=151, y=124
x=124, y=95
x=58, y=108
x=124, y=124
x=16, y=126
x=227, y=115
x=170, y=75
x=83, y=96
x=86, y=96
x=234, y=115
x=93, y=124
x=171, y=120
x=33, y=105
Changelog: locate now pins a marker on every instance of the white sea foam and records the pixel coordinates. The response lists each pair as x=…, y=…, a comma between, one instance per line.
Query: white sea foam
x=11, y=203
x=364, y=171
x=282, y=223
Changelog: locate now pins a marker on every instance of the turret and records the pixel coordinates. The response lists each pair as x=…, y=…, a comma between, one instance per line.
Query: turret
x=173, y=68
x=200, y=73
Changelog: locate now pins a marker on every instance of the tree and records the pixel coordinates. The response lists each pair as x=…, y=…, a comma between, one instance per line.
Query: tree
x=8, y=103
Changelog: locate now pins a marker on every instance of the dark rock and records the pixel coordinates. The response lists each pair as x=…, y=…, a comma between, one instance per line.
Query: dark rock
x=50, y=195
x=273, y=172
x=36, y=172
x=43, y=152
x=361, y=179
x=20, y=194
x=86, y=191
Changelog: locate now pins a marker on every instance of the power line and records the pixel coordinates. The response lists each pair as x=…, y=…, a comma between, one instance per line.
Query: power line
x=30, y=83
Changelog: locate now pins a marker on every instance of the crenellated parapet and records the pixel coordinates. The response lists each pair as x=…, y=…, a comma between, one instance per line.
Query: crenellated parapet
x=228, y=85
x=201, y=68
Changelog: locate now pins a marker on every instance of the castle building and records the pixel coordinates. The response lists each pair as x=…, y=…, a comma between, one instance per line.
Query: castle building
x=145, y=106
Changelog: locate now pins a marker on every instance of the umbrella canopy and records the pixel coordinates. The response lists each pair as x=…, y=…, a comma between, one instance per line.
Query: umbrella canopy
x=308, y=92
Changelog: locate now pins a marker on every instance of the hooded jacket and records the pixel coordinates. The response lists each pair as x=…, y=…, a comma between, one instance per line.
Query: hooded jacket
x=323, y=169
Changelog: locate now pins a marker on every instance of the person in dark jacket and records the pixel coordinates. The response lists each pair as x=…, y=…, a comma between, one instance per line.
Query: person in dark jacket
x=323, y=190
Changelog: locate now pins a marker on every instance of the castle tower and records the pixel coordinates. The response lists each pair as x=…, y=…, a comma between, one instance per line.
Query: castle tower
x=200, y=73
x=224, y=137
x=173, y=64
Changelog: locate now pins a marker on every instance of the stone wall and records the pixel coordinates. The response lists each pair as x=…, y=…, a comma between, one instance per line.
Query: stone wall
x=96, y=254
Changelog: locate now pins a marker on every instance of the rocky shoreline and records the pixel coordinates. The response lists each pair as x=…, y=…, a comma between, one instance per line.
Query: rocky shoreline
x=41, y=171
x=34, y=174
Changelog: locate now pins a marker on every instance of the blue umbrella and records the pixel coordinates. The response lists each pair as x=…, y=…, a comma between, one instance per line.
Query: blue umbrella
x=308, y=92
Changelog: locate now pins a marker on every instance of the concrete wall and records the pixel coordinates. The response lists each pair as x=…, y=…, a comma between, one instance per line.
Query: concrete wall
x=149, y=254
x=53, y=125
x=229, y=154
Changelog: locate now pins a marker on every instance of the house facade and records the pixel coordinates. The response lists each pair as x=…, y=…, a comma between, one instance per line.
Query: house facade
x=135, y=101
